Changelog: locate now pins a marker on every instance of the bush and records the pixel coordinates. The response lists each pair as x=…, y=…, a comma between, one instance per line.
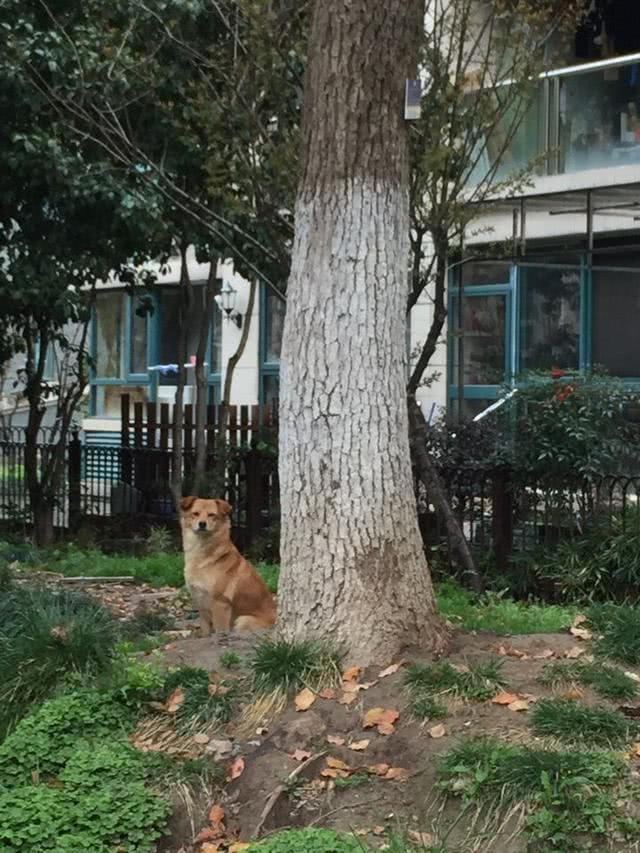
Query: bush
x=282, y=665
x=574, y=723
x=619, y=630
x=199, y=707
x=44, y=638
x=307, y=840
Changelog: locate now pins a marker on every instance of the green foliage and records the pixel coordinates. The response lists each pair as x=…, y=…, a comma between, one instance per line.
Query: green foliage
x=354, y=781
x=136, y=682
x=199, y=707
x=477, y=682
x=308, y=840
x=270, y=574
x=607, y=681
x=618, y=630
x=574, y=722
x=425, y=707
x=44, y=638
x=230, y=660
x=602, y=563
x=159, y=541
x=568, y=794
x=165, y=569
x=283, y=665
x=494, y=612
x=6, y=576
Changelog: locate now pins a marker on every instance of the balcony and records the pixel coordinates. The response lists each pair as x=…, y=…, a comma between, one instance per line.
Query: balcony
x=582, y=117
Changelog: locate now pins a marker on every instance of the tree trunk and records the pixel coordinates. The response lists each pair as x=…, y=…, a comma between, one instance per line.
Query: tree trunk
x=437, y=492
x=353, y=566
x=43, y=523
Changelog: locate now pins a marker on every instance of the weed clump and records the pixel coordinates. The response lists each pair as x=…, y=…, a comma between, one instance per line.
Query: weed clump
x=287, y=666
x=576, y=723
x=606, y=680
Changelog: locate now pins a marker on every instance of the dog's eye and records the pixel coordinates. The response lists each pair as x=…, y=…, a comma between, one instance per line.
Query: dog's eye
x=211, y=515
x=196, y=514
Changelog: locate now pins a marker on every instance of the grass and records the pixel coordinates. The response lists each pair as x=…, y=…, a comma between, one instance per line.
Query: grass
x=199, y=706
x=493, y=612
x=425, y=707
x=573, y=722
x=606, y=680
x=231, y=660
x=478, y=682
x=45, y=638
x=288, y=666
x=270, y=573
x=618, y=627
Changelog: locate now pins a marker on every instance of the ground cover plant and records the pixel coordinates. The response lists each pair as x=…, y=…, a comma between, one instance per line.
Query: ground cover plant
x=282, y=665
x=607, y=681
x=573, y=722
x=617, y=631
x=478, y=682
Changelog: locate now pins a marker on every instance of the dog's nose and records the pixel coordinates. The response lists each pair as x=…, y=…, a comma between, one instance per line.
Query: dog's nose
x=202, y=525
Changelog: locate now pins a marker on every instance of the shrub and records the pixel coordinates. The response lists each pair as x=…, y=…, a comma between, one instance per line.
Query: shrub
x=283, y=665
x=308, y=840
x=45, y=637
x=619, y=630
x=573, y=722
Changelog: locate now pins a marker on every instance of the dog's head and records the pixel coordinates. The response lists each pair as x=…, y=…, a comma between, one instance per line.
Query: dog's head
x=204, y=516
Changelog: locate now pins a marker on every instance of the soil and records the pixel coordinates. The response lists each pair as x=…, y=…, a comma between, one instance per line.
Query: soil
x=278, y=789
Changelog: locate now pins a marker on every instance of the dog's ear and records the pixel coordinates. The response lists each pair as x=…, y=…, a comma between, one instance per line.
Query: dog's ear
x=224, y=507
x=187, y=503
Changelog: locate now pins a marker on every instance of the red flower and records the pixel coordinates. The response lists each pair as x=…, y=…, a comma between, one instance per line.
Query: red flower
x=557, y=373
x=564, y=392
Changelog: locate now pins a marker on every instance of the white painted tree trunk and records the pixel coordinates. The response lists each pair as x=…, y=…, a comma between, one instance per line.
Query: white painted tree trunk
x=353, y=566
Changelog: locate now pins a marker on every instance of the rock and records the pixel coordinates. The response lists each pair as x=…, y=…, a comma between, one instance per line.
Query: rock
x=299, y=732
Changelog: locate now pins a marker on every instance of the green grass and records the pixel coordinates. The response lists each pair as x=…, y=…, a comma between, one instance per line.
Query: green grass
x=482, y=681
x=606, y=680
x=425, y=707
x=312, y=840
x=199, y=708
x=270, y=574
x=231, y=660
x=492, y=612
x=283, y=665
x=574, y=722
x=46, y=638
x=618, y=630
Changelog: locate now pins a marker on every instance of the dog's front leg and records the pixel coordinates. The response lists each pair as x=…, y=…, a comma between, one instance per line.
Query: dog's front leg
x=206, y=622
x=221, y=613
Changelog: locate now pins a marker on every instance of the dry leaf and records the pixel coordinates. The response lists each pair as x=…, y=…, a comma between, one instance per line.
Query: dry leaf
x=545, y=655
x=305, y=699
x=201, y=738
x=529, y=697
x=634, y=676
x=397, y=774
x=208, y=847
x=437, y=731
x=59, y=632
x=337, y=763
x=383, y=719
x=348, y=698
x=361, y=832
x=352, y=673
x=334, y=773
x=365, y=685
x=635, y=750
x=519, y=705
x=351, y=687
x=581, y=633
x=378, y=769
x=574, y=693
x=462, y=668
x=216, y=815
x=335, y=740
x=207, y=834
x=262, y=730
x=218, y=690
x=327, y=693
x=575, y=652
x=358, y=745
x=236, y=768
x=174, y=702
x=579, y=620
x=423, y=838
x=377, y=830
x=390, y=670
x=504, y=698
x=300, y=755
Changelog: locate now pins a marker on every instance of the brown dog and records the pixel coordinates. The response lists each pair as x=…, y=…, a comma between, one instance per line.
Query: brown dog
x=226, y=589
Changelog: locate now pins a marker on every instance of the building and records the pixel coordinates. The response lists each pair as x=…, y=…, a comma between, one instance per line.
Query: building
x=568, y=295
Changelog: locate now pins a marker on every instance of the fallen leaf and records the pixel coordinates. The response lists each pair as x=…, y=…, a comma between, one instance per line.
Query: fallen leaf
x=579, y=620
x=351, y=687
x=365, y=685
x=504, y=698
x=545, y=655
x=437, y=731
x=236, y=768
x=377, y=830
x=575, y=652
x=462, y=668
x=581, y=633
x=423, y=838
x=305, y=699
x=59, y=632
x=634, y=676
x=348, y=698
x=383, y=719
x=573, y=694
x=361, y=832
x=208, y=847
x=352, y=673
x=335, y=740
x=358, y=745
x=334, y=773
x=337, y=764
x=216, y=815
x=218, y=690
x=390, y=670
x=378, y=769
x=529, y=697
x=519, y=705
x=635, y=750
x=397, y=774
x=201, y=738
x=300, y=755
x=174, y=702
x=262, y=730
x=327, y=693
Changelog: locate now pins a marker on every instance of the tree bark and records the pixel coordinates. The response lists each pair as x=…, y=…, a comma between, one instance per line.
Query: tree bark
x=353, y=565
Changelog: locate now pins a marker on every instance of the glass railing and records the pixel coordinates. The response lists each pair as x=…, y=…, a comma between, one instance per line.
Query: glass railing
x=582, y=117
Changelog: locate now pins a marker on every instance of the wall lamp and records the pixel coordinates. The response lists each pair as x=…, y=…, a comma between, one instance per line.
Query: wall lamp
x=226, y=302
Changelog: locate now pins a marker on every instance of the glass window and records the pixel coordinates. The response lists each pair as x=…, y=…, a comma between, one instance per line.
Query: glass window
x=107, y=398
x=170, y=308
x=216, y=340
x=109, y=330
x=616, y=320
x=483, y=342
x=549, y=318
x=275, y=310
x=139, y=329
x=271, y=389
x=478, y=273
